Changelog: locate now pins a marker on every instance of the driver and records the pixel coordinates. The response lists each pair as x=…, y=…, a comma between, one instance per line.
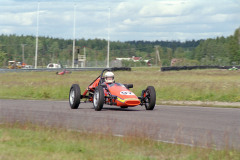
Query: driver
x=109, y=77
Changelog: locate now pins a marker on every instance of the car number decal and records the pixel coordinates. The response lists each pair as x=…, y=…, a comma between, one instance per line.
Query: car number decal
x=126, y=93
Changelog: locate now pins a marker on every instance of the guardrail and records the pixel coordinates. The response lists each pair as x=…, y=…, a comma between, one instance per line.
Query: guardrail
x=69, y=69
x=177, y=68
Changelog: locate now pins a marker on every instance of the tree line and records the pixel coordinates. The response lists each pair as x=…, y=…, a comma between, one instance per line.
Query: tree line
x=212, y=51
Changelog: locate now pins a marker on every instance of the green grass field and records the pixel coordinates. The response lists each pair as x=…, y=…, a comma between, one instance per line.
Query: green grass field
x=195, y=85
x=28, y=142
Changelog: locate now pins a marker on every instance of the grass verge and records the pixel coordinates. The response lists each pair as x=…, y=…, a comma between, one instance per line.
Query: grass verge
x=195, y=85
x=28, y=141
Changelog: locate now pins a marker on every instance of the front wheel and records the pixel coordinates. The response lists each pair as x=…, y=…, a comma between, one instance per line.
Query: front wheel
x=98, y=98
x=150, y=98
x=74, y=96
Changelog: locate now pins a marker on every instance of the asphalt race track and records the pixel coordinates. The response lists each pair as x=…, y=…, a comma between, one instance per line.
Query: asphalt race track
x=194, y=126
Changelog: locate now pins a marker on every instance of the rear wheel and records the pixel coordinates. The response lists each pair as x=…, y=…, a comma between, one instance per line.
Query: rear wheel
x=74, y=96
x=150, y=98
x=98, y=98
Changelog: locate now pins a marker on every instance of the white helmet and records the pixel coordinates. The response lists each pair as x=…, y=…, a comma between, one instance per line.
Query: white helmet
x=109, y=77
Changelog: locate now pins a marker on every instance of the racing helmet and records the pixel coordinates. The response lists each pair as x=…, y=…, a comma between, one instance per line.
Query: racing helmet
x=109, y=77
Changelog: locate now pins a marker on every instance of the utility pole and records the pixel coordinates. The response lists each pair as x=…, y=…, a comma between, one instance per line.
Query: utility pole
x=74, y=22
x=23, y=59
x=84, y=50
x=108, y=49
x=158, y=60
x=36, y=48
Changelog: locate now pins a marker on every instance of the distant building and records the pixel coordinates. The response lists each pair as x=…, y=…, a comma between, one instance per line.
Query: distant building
x=125, y=59
x=118, y=61
x=148, y=62
x=53, y=65
x=134, y=59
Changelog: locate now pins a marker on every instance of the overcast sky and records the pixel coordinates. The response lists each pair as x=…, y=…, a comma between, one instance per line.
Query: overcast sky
x=130, y=19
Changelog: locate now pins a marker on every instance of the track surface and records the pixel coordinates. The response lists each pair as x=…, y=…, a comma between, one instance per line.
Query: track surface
x=200, y=126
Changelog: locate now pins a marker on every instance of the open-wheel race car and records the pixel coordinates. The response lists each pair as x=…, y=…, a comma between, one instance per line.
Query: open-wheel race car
x=104, y=91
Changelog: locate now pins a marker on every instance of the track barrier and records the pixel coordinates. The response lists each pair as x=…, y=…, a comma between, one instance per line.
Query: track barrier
x=69, y=69
x=178, y=68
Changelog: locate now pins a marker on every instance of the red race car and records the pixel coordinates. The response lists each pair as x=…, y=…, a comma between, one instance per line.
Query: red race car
x=103, y=90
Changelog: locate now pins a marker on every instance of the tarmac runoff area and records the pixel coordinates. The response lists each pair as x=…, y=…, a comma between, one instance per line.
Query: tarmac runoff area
x=200, y=103
x=189, y=125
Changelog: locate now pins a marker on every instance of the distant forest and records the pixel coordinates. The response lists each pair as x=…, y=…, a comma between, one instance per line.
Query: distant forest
x=217, y=51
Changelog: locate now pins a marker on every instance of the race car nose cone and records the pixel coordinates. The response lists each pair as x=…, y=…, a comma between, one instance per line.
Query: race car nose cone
x=129, y=101
x=132, y=102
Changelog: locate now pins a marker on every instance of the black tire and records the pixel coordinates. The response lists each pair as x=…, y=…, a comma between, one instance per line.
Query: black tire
x=124, y=107
x=150, y=99
x=74, y=96
x=98, y=98
x=128, y=85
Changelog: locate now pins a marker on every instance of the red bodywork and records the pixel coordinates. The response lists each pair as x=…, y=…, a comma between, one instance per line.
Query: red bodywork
x=122, y=96
x=63, y=72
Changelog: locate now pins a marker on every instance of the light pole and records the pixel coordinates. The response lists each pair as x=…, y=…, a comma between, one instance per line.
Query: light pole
x=74, y=22
x=84, y=50
x=108, y=49
x=36, y=48
x=158, y=60
x=23, y=59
